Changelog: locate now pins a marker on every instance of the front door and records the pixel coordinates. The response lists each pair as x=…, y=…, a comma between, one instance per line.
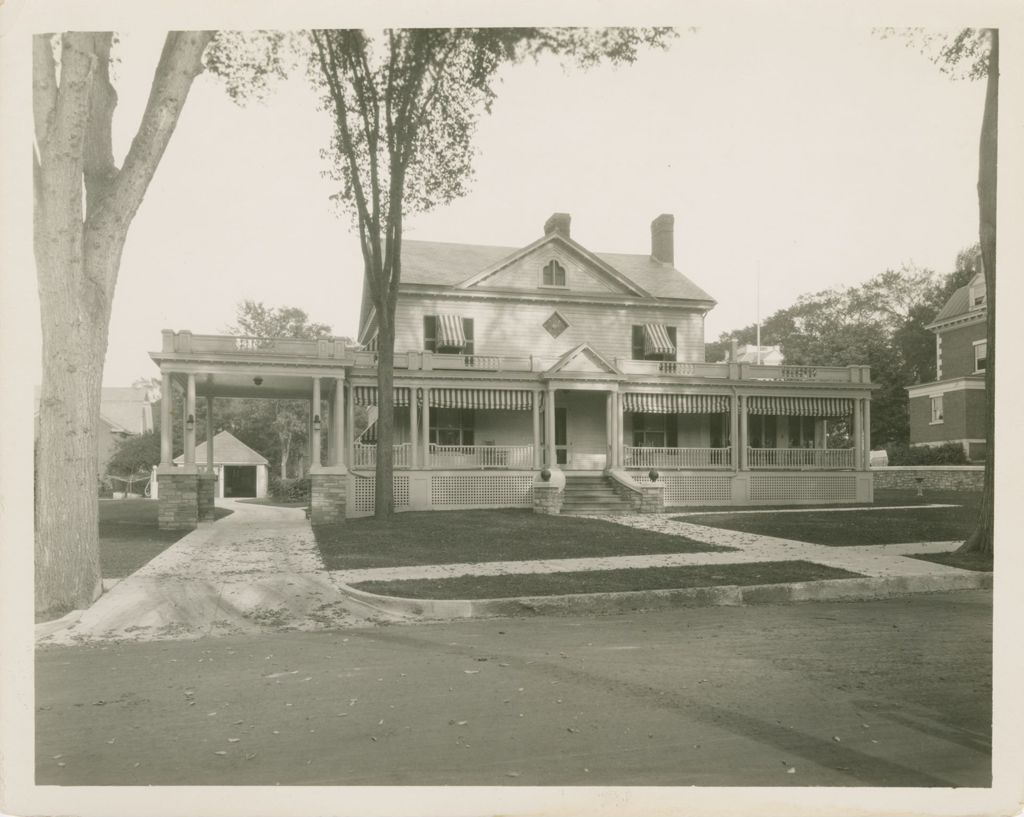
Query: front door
x=561, y=437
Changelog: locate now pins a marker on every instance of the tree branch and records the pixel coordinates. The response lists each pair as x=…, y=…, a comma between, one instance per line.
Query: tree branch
x=44, y=87
x=98, y=152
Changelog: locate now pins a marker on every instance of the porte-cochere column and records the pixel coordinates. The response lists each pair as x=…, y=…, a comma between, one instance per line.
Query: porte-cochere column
x=329, y=483
x=178, y=486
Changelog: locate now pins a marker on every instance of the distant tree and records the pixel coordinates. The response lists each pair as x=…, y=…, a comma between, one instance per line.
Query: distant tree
x=135, y=455
x=276, y=428
x=83, y=205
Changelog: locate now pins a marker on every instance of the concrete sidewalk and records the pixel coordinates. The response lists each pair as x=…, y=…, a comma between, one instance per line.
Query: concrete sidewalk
x=255, y=570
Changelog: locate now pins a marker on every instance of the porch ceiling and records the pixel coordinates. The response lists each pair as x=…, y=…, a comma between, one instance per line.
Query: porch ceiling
x=272, y=386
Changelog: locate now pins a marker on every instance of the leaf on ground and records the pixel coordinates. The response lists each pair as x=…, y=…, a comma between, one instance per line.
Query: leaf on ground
x=836, y=738
x=791, y=770
x=471, y=671
x=221, y=752
x=233, y=740
x=210, y=714
x=111, y=740
x=250, y=756
x=512, y=774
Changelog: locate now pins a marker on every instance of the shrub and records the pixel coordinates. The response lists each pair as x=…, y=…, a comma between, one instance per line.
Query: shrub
x=945, y=454
x=290, y=490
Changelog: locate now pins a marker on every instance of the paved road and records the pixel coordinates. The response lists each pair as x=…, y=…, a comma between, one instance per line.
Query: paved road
x=893, y=692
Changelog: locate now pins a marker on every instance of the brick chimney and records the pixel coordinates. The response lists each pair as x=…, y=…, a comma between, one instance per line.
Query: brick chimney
x=558, y=223
x=662, y=238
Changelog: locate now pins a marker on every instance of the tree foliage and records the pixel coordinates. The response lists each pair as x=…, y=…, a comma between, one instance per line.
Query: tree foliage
x=880, y=323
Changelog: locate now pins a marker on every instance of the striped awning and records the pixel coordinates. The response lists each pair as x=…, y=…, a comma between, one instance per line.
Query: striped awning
x=450, y=334
x=496, y=399
x=800, y=406
x=651, y=403
x=657, y=341
x=367, y=395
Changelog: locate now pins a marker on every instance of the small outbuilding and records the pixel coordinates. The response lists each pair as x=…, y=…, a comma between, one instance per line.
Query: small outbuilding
x=241, y=471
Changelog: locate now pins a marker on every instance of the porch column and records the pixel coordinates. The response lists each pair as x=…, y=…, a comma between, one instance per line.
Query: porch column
x=209, y=433
x=349, y=426
x=166, y=431
x=414, y=440
x=620, y=424
x=609, y=429
x=867, y=433
x=314, y=454
x=734, y=431
x=549, y=426
x=536, y=430
x=743, y=432
x=190, y=411
x=425, y=423
x=858, y=433
x=338, y=426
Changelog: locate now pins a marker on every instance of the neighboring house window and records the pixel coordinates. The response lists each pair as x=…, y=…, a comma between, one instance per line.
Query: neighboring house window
x=430, y=336
x=937, y=408
x=553, y=275
x=451, y=426
x=655, y=431
x=980, y=355
x=640, y=344
x=761, y=430
x=977, y=294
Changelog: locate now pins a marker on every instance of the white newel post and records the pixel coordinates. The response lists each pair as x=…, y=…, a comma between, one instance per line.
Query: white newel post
x=743, y=432
x=734, y=430
x=190, y=413
x=166, y=431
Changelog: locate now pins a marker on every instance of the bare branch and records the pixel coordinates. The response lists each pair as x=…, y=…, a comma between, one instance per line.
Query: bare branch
x=98, y=152
x=44, y=87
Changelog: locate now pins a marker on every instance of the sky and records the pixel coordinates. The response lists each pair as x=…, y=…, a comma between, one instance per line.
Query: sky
x=811, y=161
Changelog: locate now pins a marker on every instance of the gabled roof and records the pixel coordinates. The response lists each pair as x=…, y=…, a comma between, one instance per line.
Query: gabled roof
x=436, y=263
x=126, y=409
x=229, y=450
x=958, y=304
x=582, y=353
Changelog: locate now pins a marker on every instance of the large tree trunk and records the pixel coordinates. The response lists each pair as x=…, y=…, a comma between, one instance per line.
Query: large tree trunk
x=981, y=540
x=77, y=258
x=384, y=504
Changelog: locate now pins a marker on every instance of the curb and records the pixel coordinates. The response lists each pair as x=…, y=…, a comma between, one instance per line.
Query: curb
x=629, y=601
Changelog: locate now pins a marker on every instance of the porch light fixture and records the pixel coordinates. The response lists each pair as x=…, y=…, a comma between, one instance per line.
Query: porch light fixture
x=190, y=423
x=316, y=423
x=258, y=380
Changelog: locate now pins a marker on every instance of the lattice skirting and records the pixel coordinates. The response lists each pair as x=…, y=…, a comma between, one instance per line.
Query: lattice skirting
x=691, y=489
x=819, y=488
x=364, y=495
x=481, y=490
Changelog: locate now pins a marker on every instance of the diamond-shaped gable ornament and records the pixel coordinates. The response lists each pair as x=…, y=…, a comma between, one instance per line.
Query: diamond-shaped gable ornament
x=556, y=325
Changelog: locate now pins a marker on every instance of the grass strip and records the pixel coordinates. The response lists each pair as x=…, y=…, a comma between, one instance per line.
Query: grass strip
x=965, y=561
x=446, y=537
x=850, y=528
x=606, y=581
x=130, y=535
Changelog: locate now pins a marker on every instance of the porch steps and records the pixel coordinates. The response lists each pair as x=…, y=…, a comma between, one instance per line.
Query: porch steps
x=592, y=493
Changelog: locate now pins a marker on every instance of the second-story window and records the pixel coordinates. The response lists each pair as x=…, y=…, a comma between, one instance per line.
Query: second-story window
x=980, y=355
x=553, y=275
x=653, y=341
x=439, y=338
x=937, y=408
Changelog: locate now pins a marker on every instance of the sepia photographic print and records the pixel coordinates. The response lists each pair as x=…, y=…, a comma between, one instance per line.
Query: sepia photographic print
x=448, y=410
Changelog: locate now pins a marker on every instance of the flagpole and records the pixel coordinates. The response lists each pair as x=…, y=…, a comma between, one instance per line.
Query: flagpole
x=758, y=312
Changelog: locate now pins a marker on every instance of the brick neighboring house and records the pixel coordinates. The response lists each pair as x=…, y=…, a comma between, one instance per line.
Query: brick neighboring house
x=952, y=408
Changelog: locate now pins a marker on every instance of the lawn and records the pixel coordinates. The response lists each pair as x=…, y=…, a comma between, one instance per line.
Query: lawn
x=870, y=525
x=605, y=581
x=129, y=536
x=446, y=537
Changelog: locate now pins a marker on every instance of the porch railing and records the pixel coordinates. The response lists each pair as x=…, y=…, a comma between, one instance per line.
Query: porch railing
x=643, y=457
x=481, y=456
x=365, y=456
x=492, y=363
x=677, y=368
x=825, y=458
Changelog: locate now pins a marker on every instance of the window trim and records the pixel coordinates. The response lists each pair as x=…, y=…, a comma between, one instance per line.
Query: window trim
x=936, y=400
x=466, y=427
x=978, y=344
x=556, y=265
x=637, y=344
x=430, y=337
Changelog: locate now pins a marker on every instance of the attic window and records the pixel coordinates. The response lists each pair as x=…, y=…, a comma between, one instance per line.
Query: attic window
x=553, y=275
x=556, y=325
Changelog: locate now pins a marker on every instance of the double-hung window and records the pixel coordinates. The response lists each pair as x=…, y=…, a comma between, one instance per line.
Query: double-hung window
x=655, y=431
x=654, y=342
x=553, y=275
x=936, y=408
x=451, y=426
x=980, y=355
x=435, y=339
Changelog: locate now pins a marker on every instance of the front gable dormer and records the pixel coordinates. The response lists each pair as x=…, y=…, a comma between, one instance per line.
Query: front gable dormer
x=582, y=359
x=976, y=293
x=554, y=264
